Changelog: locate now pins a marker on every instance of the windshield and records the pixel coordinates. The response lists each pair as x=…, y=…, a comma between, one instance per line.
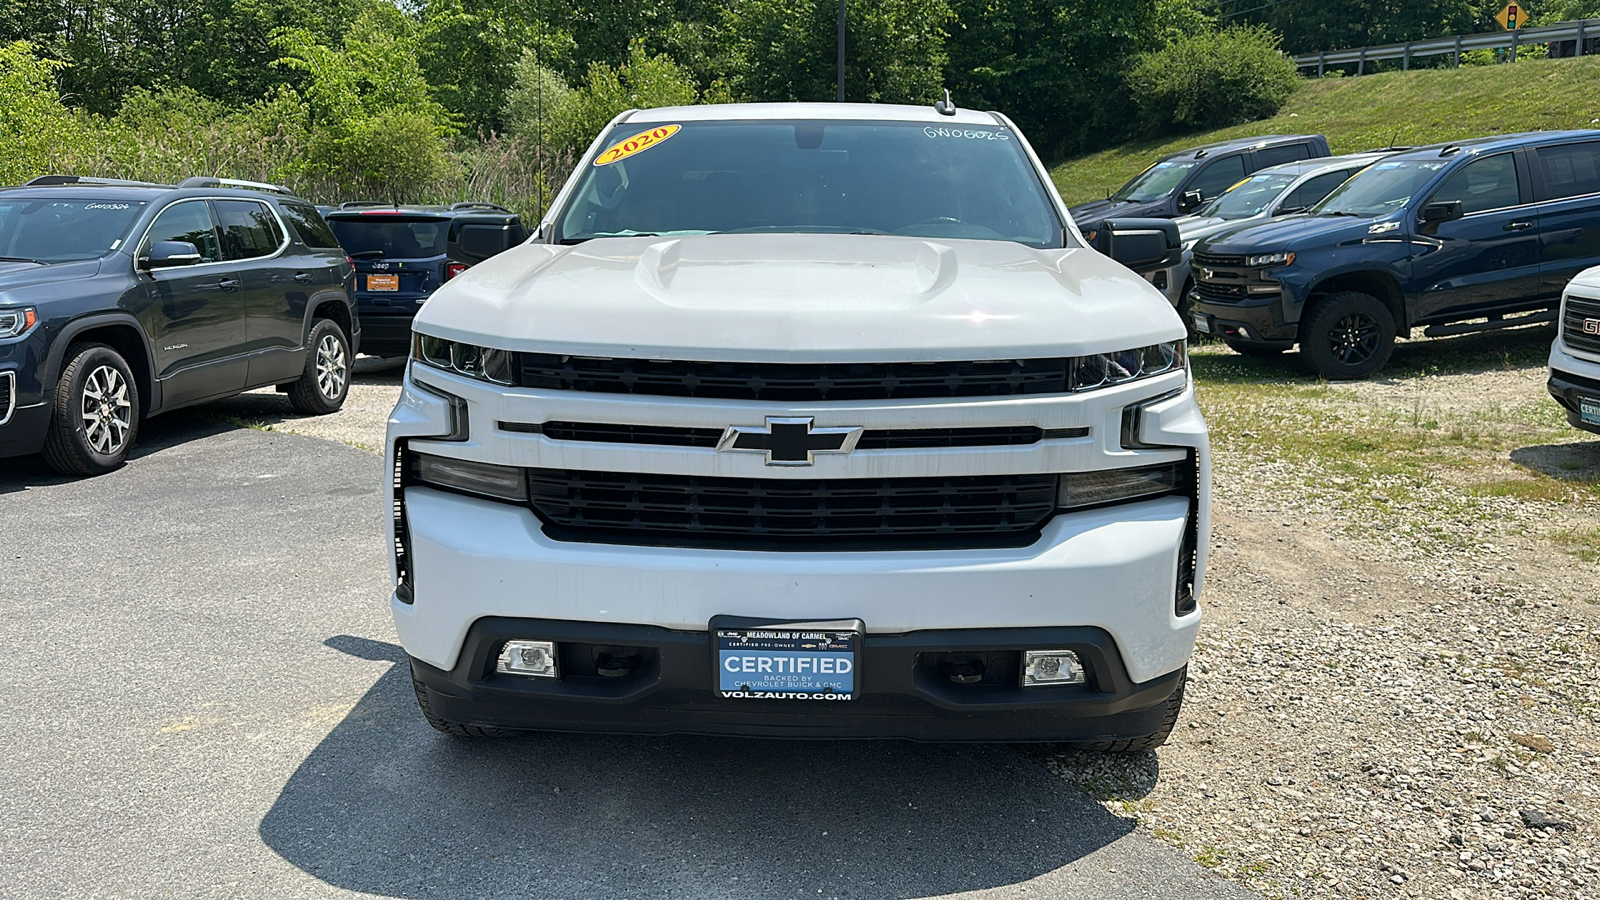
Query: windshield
x=1248, y=198
x=1380, y=188
x=390, y=236
x=898, y=178
x=64, y=229
x=1156, y=182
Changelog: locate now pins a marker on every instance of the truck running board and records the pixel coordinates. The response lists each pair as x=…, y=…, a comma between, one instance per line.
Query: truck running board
x=1495, y=322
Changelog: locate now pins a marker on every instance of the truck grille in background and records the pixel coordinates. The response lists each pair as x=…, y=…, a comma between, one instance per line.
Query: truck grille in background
x=872, y=439
x=794, y=382
x=1219, y=293
x=1206, y=259
x=792, y=514
x=1576, y=311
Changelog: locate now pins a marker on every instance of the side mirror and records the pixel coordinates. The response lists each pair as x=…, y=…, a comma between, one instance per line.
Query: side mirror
x=167, y=254
x=473, y=241
x=1445, y=211
x=1190, y=200
x=1143, y=245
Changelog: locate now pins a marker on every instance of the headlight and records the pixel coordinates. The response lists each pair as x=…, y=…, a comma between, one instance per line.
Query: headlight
x=1079, y=489
x=1121, y=366
x=16, y=320
x=1269, y=259
x=482, y=363
x=499, y=482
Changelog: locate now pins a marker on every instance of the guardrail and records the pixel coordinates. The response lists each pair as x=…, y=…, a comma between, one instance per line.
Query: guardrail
x=1577, y=31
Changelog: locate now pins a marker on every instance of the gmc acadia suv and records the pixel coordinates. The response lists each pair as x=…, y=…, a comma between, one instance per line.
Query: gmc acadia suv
x=803, y=420
x=120, y=300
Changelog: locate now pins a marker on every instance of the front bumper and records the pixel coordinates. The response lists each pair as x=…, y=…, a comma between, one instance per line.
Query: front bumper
x=1573, y=380
x=903, y=692
x=24, y=407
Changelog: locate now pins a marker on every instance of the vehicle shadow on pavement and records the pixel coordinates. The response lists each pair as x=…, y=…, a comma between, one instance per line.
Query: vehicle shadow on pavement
x=1579, y=461
x=384, y=805
x=21, y=473
x=1459, y=355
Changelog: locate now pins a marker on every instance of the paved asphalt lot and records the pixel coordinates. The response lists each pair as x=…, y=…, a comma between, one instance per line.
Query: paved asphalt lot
x=203, y=698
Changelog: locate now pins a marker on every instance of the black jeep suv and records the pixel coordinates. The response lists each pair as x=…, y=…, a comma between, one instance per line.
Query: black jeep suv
x=120, y=300
x=404, y=253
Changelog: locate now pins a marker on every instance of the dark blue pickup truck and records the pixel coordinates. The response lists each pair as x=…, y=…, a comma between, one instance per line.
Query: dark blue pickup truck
x=1454, y=238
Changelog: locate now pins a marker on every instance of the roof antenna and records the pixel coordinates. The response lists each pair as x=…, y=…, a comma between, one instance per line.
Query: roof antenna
x=945, y=107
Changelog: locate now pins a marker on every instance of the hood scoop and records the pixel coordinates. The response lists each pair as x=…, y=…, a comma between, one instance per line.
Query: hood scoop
x=815, y=272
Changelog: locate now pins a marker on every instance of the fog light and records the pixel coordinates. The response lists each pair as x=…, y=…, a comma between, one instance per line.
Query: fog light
x=535, y=659
x=1050, y=667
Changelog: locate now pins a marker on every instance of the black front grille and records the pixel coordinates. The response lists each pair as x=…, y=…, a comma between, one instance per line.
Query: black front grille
x=782, y=514
x=1207, y=259
x=875, y=439
x=791, y=382
x=1576, y=316
x=8, y=387
x=1219, y=293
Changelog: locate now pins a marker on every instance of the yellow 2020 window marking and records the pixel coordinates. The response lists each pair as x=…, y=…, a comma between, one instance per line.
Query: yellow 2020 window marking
x=639, y=143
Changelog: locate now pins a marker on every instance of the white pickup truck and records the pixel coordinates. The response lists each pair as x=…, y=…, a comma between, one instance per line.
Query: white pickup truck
x=813, y=420
x=1575, y=353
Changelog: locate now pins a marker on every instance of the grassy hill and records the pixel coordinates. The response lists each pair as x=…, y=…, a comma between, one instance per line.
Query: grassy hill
x=1419, y=107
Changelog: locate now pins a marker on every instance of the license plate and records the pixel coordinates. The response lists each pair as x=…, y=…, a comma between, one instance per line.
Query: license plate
x=787, y=662
x=1589, y=410
x=1202, y=323
x=383, y=282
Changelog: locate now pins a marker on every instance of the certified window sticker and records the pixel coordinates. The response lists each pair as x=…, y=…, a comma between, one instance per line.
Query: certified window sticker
x=639, y=143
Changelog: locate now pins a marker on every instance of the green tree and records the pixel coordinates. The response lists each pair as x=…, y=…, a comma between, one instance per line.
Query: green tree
x=1212, y=78
x=1337, y=24
x=783, y=50
x=35, y=128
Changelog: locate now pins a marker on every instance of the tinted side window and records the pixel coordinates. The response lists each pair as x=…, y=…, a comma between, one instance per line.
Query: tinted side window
x=188, y=221
x=308, y=222
x=1218, y=177
x=1571, y=170
x=1488, y=183
x=248, y=229
x=1271, y=156
x=1314, y=189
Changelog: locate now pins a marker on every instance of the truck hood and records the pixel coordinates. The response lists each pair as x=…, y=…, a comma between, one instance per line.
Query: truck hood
x=800, y=298
x=15, y=275
x=1090, y=215
x=1291, y=232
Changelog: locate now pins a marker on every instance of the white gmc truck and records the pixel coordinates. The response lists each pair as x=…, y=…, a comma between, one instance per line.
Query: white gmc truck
x=809, y=420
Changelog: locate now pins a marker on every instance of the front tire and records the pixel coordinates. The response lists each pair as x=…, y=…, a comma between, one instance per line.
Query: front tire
x=96, y=415
x=1350, y=335
x=325, y=383
x=1169, y=720
x=446, y=726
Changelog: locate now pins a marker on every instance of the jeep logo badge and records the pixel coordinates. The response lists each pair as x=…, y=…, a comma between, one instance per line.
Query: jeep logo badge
x=789, y=441
x=1591, y=326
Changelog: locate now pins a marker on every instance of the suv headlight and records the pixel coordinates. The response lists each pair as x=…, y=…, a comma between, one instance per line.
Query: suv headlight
x=17, y=320
x=1122, y=366
x=482, y=363
x=1267, y=260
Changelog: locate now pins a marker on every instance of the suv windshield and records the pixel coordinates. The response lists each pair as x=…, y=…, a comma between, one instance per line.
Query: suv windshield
x=1380, y=188
x=811, y=177
x=1156, y=182
x=390, y=236
x=63, y=229
x=1248, y=197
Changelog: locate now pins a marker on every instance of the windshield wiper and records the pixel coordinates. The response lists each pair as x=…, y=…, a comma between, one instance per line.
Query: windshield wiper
x=23, y=259
x=366, y=254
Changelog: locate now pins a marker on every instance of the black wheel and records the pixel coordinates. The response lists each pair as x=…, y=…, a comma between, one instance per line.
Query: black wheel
x=1169, y=720
x=96, y=415
x=454, y=729
x=1260, y=351
x=326, y=380
x=1349, y=335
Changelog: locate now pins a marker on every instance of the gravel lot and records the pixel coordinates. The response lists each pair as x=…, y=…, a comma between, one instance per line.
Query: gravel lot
x=1394, y=694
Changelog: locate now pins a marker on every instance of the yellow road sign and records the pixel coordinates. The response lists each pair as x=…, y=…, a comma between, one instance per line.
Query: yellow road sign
x=1512, y=17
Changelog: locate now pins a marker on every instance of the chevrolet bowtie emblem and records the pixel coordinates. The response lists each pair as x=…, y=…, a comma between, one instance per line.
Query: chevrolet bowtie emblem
x=789, y=441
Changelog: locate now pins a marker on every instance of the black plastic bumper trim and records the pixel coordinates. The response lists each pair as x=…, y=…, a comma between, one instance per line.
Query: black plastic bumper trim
x=899, y=696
